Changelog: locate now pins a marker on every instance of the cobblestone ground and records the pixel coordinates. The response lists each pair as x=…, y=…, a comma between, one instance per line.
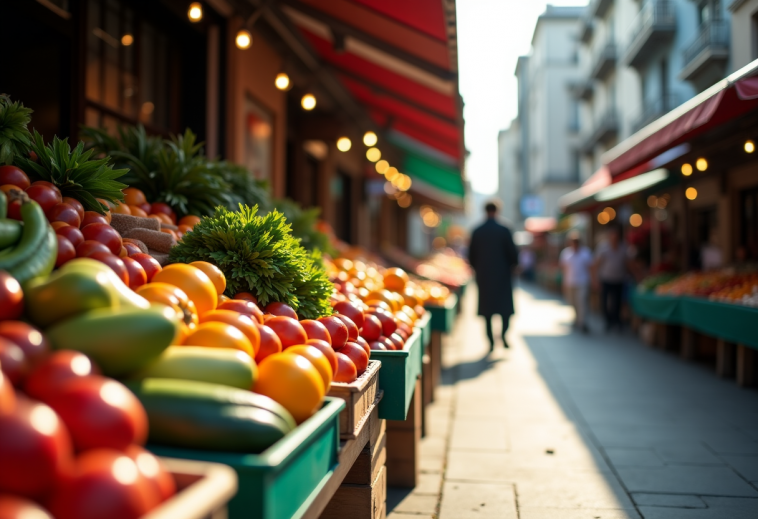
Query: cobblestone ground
x=569, y=426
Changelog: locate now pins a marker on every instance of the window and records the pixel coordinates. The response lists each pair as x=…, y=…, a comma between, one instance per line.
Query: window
x=258, y=140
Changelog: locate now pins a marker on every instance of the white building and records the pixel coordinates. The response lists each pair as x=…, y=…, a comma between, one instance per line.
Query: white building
x=744, y=47
x=509, y=171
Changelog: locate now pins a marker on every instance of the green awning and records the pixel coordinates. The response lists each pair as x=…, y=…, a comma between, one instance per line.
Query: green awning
x=632, y=185
x=446, y=179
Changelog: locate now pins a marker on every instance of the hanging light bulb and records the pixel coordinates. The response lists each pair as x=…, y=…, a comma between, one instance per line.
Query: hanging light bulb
x=691, y=193
x=370, y=139
x=343, y=144
x=686, y=169
x=195, y=12
x=373, y=154
x=308, y=102
x=701, y=164
x=282, y=81
x=382, y=166
x=749, y=146
x=244, y=39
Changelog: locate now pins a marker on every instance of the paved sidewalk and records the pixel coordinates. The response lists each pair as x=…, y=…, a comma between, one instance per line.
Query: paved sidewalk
x=567, y=426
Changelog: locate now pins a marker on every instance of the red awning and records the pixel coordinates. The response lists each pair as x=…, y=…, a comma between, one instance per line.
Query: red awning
x=723, y=102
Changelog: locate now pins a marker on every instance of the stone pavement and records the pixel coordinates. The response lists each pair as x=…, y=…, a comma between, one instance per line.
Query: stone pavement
x=568, y=426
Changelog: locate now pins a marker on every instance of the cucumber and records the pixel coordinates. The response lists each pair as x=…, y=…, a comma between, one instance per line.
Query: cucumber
x=32, y=237
x=3, y=205
x=41, y=263
x=200, y=415
x=10, y=233
x=214, y=365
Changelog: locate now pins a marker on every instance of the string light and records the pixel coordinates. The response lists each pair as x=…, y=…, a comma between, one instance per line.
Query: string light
x=243, y=40
x=391, y=174
x=127, y=39
x=691, y=193
x=749, y=146
x=308, y=102
x=344, y=144
x=611, y=212
x=686, y=169
x=652, y=201
x=370, y=139
x=603, y=218
x=701, y=164
x=195, y=12
x=282, y=81
x=635, y=220
x=382, y=166
x=405, y=201
x=373, y=154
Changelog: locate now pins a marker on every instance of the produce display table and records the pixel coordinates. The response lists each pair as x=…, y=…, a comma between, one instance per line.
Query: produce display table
x=443, y=318
x=403, y=443
x=397, y=377
x=359, y=397
x=286, y=479
x=425, y=325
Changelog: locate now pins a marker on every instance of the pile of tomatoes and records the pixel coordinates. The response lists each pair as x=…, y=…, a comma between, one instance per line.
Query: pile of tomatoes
x=70, y=439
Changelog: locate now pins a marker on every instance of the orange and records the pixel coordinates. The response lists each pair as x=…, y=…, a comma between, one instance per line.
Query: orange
x=164, y=218
x=213, y=272
x=133, y=196
x=195, y=283
x=319, y=361
x=184, y=228
x=386, y=296
x=189, y=220
x=222, y=299
x=240, y=321
x=395, y=279
x=176, y=298
x=292, y=381
x=121, y=208
x=375, y=303
x=138, y=211
x=219, y=335
x=171, y=232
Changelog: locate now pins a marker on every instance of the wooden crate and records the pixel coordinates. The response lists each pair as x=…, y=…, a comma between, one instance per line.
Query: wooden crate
x=203, y=491
x=369, y=461
x=403, y=439
x=359, y=398
x=360, y=501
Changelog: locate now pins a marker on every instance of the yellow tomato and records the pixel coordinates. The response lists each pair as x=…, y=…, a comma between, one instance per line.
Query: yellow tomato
x=194, y=282
x=242, y=322
x=219, y=335
x=319, y=361
x=214, y=273
x=293, y=381
x=174, y=297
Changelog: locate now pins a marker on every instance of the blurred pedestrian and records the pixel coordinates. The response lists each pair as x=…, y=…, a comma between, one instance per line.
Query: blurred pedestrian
x=612, y=266
x=493, y=256
x=526, y=262
x=576, y=261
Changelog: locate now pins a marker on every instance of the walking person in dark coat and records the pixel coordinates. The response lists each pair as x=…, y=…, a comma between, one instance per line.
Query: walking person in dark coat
x=493, y=256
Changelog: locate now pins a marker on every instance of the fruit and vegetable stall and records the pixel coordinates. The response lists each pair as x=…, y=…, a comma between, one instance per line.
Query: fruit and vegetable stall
x=167, y=349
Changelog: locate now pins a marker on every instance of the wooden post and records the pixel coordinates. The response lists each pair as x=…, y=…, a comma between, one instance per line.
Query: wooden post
x=427, y=390
x=726, y=357
x=435, y=355
x=403, y=438
x=746, y=363
x=689, y=345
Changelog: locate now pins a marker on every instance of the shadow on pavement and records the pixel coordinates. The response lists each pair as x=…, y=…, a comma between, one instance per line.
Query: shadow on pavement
x=468, y=370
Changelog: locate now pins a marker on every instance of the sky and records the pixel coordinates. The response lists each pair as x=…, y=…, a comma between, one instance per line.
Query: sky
x=492, y=34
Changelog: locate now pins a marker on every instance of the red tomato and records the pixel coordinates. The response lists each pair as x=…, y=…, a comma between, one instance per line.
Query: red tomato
x=402, y=334
x=64, y=213
x=11, y=297
x=346, y=370
x=100, y=413
x=388, y=321
x=357, y=354
x=145, y=207
x=13, y=362
x=151, y=467
x=28, y=338
x=280, y=309
x=372, y=328
x=105, y=483
x=132, y=249
x=14, y=176
x=137, y=274
x=247, y=296
x=327, y=350
x=7, y=396
x=289, y=330
x=364, y=344
x=352, y=329
x=105, y=234
x=14, y=507
x=316, y=330
x=91, y=217
x=35, y=450
x=243, y=307
x=377, y=345
x=72, y=234
x=76, y=204
x=270, y=343
x=150, y=264
x=350, y=310
x=14, y=206
x=89, y=247
x=47, y=197
x=397, y=341
x=337, y=330
x=114, y=262
x=405, y=328
x=66, y=251
x=387, y=342
x=58, y=368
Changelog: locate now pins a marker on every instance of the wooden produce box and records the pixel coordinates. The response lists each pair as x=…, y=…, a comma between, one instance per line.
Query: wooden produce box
x=282, y=481
x=359, y=398
x=443, y=316
x=425, y=325
x=203, y=491
x=397, y=378
x=403, y=444
x=360, y=501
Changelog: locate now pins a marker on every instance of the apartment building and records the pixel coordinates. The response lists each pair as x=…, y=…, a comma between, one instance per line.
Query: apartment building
x=510, y=171
x=744, y=37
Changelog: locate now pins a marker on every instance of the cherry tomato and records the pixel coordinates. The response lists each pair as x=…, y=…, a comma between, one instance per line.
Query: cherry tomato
x=114, y=262
x=316, y=330
x=76, y=204
x=350, y=310
x=14, y=507
x=66, y=251
x=91, y=217
x=337, y=330
x=244, y=307
x=47, y=197
x=346, y=370
x=357, y=354
x=150, y=264
x=58, y=368
x=11, y=297
x=151, y=467
x=131, y=248
x=35, y=450
x=137, y=274
x=247, y=296
x=289, y=330
x=372, y=328
x=64, y=213
x=327, y=350
x=105, y=234
x=100, y=413
x=14, y=176
x=89, y=247
x=270, y=343
x=352, y=329
x=72, y=234
x=105, y=483
x=28, y=338
x=13, y=362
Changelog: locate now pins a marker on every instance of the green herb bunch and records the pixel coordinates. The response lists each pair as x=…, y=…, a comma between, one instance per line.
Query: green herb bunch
x=258, y=254
x=14, y=135
x=75, y=172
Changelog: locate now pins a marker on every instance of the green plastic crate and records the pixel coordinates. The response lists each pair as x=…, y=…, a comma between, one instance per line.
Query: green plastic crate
x=397, y=378
x=282, y=481
x=443, y=316
x=425, y=326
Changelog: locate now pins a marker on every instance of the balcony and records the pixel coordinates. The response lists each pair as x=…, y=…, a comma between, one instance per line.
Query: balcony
x=598, y=8
x=707, y=56
x=586, y=29
x=604, y=62
x=582, y=89
x=655, y=109
x=654, y=25
x=606, y=128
